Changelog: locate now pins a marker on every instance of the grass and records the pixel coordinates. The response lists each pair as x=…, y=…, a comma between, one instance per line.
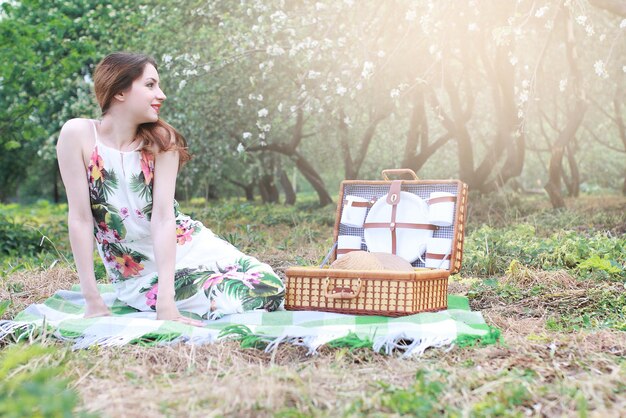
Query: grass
x=552, y=281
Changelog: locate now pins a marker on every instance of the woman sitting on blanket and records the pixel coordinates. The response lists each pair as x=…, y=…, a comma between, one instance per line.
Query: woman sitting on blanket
x=120, y=173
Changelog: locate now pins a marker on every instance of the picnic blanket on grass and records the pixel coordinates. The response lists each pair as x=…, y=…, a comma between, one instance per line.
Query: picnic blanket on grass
x=61, y=315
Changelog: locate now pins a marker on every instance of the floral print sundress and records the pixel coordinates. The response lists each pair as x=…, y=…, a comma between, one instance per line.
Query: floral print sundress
x=212, y=278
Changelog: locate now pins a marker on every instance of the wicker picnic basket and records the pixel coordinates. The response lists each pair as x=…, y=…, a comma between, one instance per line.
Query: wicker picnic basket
x=388, y=293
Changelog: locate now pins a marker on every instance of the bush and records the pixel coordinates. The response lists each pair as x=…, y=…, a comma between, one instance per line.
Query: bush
x=489, y=251
x=18, y=239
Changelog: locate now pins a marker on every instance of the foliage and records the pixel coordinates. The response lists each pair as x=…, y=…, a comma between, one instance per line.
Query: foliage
x=40, y=238
x=489, y=251
x=241, y=223
x=508, y=396
x=35, y=236
x=49, y=51
x=246, y=224
x=585, y=214
x=278, y=63
x=264, y=214
x=421, y=398
x=17, y=238
x=334, y=89
x=503, y=402
x=40, y=212
x=3, y=306
x=30, y=383
x=607, y=309
x=595, y=263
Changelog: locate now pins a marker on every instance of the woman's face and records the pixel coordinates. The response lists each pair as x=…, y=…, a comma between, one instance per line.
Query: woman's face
x=144, y=98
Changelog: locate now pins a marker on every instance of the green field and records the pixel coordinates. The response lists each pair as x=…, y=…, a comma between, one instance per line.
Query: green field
x=552, y=281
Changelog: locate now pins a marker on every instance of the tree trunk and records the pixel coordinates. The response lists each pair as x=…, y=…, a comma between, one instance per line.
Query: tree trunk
x=55, y=182
x=509, y=140
x=466, y=156
x=506, y=150
x=212, y=193
x=285, y=183
x=418, y=131
x=418, y=148
x=352, y=166
x=307, y=170
x=572, y=182
x=247, y=188
x=249, y=191
x=290, y=150
x=314, y=178
x=269, y=189
x=574, y=119
x=621, y=127
x=265, y=195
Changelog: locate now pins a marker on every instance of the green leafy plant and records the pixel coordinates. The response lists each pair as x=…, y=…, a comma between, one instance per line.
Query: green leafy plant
x=4, y=305
x=30, y=383
x=420, y=399
x=503, y=402
x=602, y=264
x=489, y=251
x=15, y=237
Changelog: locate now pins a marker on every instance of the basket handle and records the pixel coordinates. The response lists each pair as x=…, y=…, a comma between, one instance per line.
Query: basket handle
x=397, y=172
x=343, y=293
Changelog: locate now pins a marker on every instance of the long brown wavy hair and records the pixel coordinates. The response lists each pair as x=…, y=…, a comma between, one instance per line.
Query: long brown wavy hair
x=116, y=73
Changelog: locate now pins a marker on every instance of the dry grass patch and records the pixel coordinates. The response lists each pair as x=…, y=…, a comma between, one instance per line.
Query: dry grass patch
x=24, y=288
x=546, y=372
x=557, y=373
x=559, y=370
x=525, y=292
x=225, y=380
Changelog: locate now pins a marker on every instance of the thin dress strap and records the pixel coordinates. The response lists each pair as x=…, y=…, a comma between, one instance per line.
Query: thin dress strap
x=95, y=132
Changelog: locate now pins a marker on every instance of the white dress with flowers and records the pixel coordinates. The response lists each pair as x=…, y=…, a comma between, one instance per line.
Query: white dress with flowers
x=212, y=278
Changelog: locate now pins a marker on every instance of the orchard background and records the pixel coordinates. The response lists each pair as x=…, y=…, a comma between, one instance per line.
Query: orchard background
x=280, y=101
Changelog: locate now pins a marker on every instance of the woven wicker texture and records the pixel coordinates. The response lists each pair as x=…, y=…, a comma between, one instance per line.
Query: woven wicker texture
x=367, y=293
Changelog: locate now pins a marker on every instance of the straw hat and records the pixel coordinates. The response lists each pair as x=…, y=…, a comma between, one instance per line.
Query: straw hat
x=363, y=260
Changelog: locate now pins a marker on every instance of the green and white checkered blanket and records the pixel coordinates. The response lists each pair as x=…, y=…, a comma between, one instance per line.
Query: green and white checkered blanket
x=61, y=316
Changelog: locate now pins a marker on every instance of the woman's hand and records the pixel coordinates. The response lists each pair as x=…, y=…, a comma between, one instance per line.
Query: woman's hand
x=168, y=311
x=96, y=308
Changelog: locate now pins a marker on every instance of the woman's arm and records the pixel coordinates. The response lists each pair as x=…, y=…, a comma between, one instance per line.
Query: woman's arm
x=80, y=221
x=163, y=228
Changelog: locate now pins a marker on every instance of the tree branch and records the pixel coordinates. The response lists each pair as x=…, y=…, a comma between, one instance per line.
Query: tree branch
x=617, y=7
x=601, y=142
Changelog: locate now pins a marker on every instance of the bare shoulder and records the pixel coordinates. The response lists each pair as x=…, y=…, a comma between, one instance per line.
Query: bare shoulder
x=75, y=142
x=75, y=131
